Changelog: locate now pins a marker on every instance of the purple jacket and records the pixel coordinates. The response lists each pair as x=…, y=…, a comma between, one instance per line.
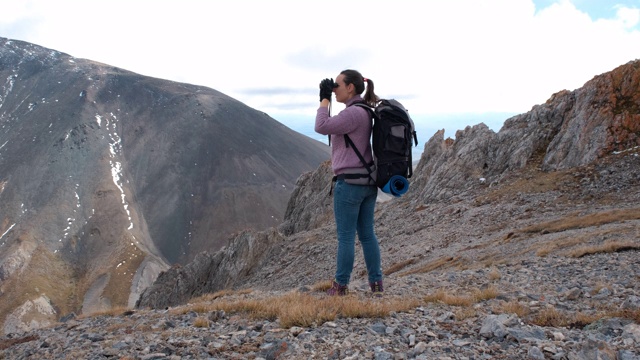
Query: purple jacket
x=353, y=121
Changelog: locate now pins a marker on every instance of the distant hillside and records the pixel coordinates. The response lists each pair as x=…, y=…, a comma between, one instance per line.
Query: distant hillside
x=108, y=177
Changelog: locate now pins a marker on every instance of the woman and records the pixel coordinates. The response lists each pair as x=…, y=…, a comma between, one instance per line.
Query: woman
x=353, y=205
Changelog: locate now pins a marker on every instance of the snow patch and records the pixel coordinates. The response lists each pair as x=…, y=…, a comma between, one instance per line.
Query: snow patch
x=627, y=150
x=9, y=229
x=115, y=147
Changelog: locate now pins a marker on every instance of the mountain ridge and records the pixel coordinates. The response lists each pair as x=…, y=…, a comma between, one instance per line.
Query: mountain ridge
x=113, y=176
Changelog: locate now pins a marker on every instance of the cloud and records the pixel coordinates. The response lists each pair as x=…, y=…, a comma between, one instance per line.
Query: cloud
x=629, y=17
x=322, y=59
x=458, y=56
x=274, y=91
x=14, y=11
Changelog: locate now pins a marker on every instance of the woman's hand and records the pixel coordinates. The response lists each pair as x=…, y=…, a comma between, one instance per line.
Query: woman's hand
x=326, y=89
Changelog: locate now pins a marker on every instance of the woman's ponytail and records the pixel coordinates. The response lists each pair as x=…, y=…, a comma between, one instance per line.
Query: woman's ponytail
x=370, y=97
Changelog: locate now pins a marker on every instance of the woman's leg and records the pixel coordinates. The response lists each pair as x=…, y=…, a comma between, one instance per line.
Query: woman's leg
x=367, y=236
x=346, y=206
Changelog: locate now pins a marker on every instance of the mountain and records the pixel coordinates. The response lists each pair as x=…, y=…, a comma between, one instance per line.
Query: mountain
x=108, y=177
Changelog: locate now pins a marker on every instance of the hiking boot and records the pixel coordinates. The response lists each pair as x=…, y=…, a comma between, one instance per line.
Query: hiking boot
x=376, y=288
x=337, y=289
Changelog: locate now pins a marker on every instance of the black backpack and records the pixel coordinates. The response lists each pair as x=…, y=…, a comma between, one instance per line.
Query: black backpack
x=392, y=136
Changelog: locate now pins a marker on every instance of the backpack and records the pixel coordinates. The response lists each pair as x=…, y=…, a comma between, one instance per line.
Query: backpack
x=392, y=137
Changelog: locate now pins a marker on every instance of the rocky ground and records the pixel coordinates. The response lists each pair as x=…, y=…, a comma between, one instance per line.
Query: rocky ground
x=430, y=331
x=560, y=250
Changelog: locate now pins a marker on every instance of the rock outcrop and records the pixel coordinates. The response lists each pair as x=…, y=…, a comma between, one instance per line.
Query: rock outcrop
x=573, y=128
x=210, y=272
x=311, y=203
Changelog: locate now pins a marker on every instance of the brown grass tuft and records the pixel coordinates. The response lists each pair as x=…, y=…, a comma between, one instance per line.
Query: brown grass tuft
x=439, y=263
x=553, y=317
x=201, y=322
x=7, y=343
x=321, y=286
x=550, y=317
x=477, y=295
x=494, y=275
x=490, y=292
x=115, y=311
x=399, y=266
x=220, y=294
x=465, y=313
x=442, y=296
x=513, y=307
x=608, y=247
x=631, y=314
x=576, y=221
x=544, y=251
x=303, y=309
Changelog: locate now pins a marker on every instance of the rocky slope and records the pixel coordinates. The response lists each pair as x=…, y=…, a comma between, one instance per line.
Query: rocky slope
x=544, y=214
x=529, y=167
x=108, y=177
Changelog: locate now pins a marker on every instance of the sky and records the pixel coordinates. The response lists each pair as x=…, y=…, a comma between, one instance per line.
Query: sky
x=452, y=63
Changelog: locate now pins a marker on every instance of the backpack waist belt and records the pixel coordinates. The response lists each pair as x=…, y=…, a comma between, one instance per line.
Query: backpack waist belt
x=349, y=176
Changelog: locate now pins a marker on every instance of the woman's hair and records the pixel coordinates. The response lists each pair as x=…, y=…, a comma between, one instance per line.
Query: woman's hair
x=354, y=77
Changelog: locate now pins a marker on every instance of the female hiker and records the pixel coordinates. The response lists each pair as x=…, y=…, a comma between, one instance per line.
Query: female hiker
x=353, y=204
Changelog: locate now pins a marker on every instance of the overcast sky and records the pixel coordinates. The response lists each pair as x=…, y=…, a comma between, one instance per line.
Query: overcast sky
x=435, y=56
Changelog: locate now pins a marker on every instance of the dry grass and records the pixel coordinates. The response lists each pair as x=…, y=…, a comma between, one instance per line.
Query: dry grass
x=442, y=296
x=54, y=278
x=130, y=258
x=436, y=264
x=513, y=307
x=564, y=242
x=608, y=247
x=631, y=314
x=465, y=313
x=494, y=275
x=549, y=317
x=115, y=311
x=321, y=286
x=7, y=343
x=399, y=266
x=490, y=292
x=599, y=286
x=554, y=245
x=298, y=309
x=201, y=322
x=465, y=300
x=576, y=221
x=220, y=294
x=553, y=317
x=538, y=182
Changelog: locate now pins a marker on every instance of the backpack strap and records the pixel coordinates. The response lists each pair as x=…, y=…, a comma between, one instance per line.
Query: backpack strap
x=349, y=142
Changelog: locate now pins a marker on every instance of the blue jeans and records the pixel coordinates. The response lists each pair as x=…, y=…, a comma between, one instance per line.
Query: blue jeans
x=353, y=207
